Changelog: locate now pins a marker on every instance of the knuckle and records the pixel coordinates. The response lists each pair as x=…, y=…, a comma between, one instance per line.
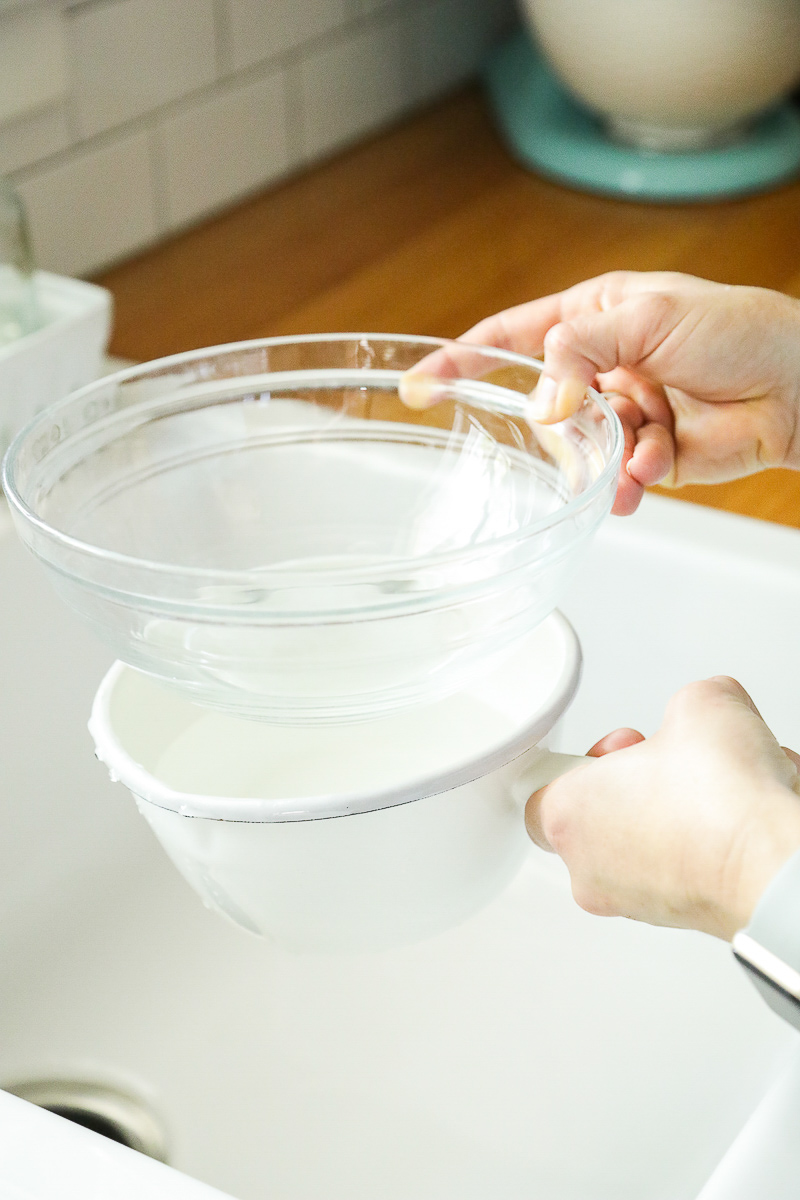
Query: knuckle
x=559, y=338
x=556, y=817
x=699, y=692
x=591, y=900
x=691, y=707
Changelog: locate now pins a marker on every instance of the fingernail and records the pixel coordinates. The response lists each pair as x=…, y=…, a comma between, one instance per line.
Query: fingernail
x=543, y=399
x=571, y=395
x=421, y=391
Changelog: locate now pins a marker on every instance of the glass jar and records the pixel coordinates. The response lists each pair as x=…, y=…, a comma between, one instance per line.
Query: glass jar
x=19, y=308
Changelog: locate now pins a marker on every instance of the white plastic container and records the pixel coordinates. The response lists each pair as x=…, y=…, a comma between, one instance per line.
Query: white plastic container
x=64, y=354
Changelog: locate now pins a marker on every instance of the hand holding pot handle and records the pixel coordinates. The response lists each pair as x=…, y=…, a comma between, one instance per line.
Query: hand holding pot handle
x=684, y=828
x=540, y=767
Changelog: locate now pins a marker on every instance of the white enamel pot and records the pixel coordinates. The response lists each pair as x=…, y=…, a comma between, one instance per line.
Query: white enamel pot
x=357, y=836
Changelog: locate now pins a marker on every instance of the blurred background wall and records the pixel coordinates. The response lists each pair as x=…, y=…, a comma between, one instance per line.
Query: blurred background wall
x=122, y=121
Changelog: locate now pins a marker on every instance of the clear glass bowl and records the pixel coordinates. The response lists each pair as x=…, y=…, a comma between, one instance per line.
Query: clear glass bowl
x=269, y=529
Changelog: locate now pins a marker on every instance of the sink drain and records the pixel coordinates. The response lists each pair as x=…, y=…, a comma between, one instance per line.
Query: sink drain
x=105, y=1110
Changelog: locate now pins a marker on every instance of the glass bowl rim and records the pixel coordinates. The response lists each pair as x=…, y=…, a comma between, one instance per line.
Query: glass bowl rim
x=281, y=575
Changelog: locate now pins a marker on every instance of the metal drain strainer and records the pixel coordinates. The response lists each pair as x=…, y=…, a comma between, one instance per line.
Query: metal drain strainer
x=115, y=1114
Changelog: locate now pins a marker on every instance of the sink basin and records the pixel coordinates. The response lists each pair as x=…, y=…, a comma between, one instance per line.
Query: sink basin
x=533, y=1051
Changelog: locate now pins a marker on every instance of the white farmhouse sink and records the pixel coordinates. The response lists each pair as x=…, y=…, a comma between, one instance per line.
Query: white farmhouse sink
x=536, y=1053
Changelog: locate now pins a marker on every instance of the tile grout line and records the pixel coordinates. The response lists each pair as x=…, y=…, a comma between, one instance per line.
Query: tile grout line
x=158, y=179
x=145, y=122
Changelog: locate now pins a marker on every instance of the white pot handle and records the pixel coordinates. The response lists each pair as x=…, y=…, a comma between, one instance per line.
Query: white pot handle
x=539, y=767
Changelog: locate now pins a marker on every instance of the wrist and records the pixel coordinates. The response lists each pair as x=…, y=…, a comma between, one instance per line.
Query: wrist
x=766, y=846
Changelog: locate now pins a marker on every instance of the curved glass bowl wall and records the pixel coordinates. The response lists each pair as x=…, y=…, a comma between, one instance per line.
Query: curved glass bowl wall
x=268, y=528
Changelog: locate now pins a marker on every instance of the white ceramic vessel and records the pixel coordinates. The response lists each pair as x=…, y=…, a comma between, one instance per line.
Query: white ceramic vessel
x=352, y=837
x=672, y=75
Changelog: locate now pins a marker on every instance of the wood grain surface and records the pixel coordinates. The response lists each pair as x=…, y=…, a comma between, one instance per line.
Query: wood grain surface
x=427, y=228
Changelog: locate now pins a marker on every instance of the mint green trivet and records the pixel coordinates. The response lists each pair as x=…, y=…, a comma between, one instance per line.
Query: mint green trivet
x=548, y=131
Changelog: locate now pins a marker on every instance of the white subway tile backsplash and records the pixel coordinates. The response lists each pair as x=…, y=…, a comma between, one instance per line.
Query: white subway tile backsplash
x=176, y=108
x=33, y=68
x=94, y=208
x=33, y=138
x=356, y=85
x=222, y=148
x=131, y=56
x=260, y=29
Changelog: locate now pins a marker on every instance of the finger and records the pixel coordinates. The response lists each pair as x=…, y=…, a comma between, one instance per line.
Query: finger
x=521, y=328
x=792, y=755
x=588, y=345
x=626, y=409
x=731, y=686
x=649, y=398
x=528, y=328
x=432, y=379
x=553, y=401
x=533, y=820
x=423, y=388
x=438, y=375
x=649, y=455
x=618, y=739
x=595, y=327
x=628, y=497
x=653, y=458
x=629, y=491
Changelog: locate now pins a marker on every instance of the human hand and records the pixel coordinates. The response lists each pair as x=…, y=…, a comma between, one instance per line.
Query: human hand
x=685, y=828
x=706, y=376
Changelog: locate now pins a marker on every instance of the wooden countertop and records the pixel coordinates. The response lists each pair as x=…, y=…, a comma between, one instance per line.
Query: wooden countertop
x=427, y=228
